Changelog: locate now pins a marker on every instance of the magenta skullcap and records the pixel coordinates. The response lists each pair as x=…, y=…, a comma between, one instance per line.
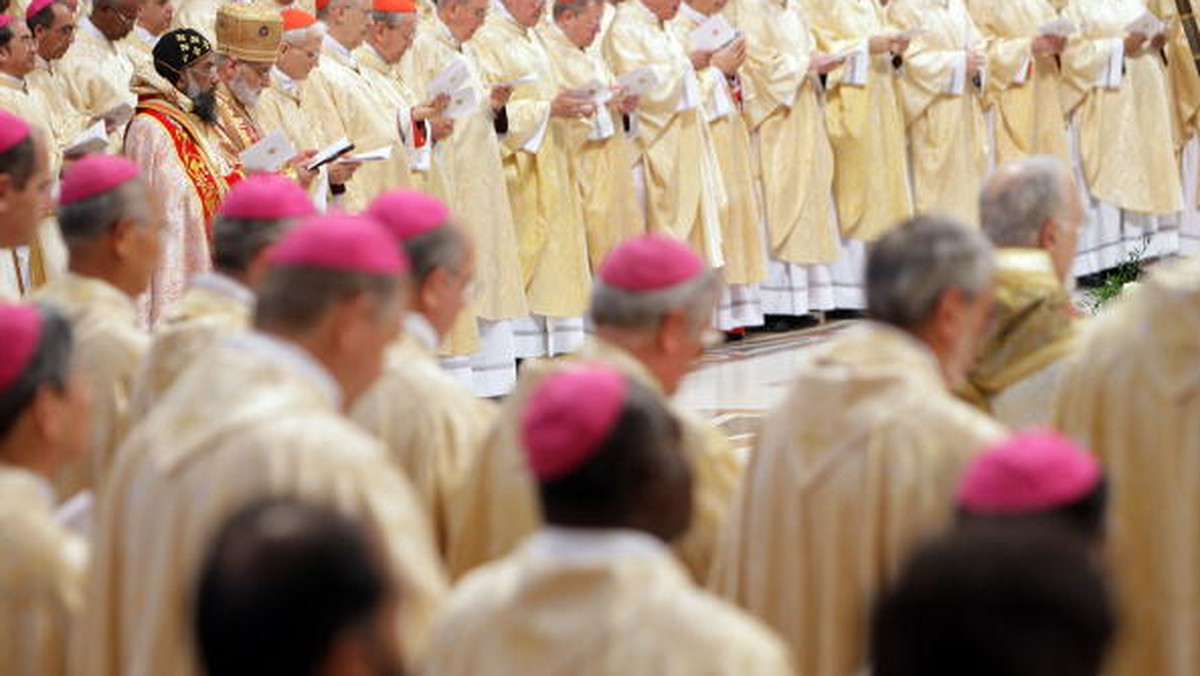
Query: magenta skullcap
x=409, y=213
x=1030, y=472
x=37, y=6
x=20, y=331
x=650, y=263
x=341, y=243
x=568, y=418
x=5, y=20
x=13, y=130
x=95, y=175
x=267, y=197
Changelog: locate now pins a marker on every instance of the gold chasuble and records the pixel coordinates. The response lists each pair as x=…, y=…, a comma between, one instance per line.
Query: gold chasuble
x=179, y=163
x=42, y=577
x=1023, y=89
x=1132, y=396
x=467, y=175
x=58, y=115
x=96, y=71
x=214, y=307
x=1123, y=111
x=946, y=132
x=601, y=153
x=432, y=425
x=1181, y=71
x=685, y=194
x=1032, y=333
x=741, y=232
x=500, y=503
x=109, y=345
x=346, y=101
x=545, y=203
x=864, y=114
x=596, y=603
x=255, y=417
x=856, y=467
x=411, y=147
x=784, y=113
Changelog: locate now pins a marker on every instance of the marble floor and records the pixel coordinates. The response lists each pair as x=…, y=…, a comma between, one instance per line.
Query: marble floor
x=736, y=384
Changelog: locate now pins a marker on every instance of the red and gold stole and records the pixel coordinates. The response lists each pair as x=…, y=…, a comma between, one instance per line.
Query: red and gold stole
x=209, y=184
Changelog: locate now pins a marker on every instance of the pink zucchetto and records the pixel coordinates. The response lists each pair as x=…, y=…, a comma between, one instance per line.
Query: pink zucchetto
x=13, y=130
x=95, y=175
x=1028, y=473
x=37, y=6
x=20, y=331
x=267, y=197
x=650, y=263
x=5, y=20
x=340, y=243
x=409, y=213
x=568, y=418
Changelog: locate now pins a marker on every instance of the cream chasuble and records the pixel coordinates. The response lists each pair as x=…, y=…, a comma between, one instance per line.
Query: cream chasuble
x=109, y=345
x=42, y=578
x=345, y=101
x=601, y=153
x=545, y=202
x=286, y=106
x=946, y=132
x=500, y=503
x=190, y=179
x=1124, y=111
x=138, y=47
x=1181, y=71
x=214, y=307
x=1033, y=332
x=200, y=15
x=856, y=467
x=96, y=71
x=784, y=113
x=864, y=114
x=62, y=120
x=411, y=141
x=741, y=232
x=468, y=176
x=432, y=425
x=596, y=603
x=1131, y=396
x=254, y=417
x=685, y=193
x=1023, y=89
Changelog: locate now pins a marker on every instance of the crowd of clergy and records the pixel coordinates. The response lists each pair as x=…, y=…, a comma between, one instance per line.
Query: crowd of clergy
x=267, y=273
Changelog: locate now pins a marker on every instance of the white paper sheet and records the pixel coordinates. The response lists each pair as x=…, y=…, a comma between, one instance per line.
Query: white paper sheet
x=713, y=34
x=269, y=154
x=94, y=139
x=638, y=82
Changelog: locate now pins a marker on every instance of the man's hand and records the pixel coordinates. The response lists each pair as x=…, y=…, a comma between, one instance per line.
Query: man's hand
x=1158, y=41
x=1049, y=45
x=976, y=62
x=1134, y=43
x=570, y=103
x=298, y=163
x=432, y=108
x=500, y=97
x=900, y=43
x=342, y=171
x=700, y=59
x=730, y=57
x=441, y=128
x=624, y=103
x=821, y=63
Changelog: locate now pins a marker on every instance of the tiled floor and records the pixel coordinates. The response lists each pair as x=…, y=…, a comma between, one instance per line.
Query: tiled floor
x=736, y=384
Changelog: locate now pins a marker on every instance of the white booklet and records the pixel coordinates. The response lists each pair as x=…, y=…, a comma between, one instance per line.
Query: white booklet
x=330, y=153
x=462, y=102
x=595, y=91
x=713, y=34
x=94, y=139
x=454, y=78
x=1061, y=27
x=638, y=82
x=269, y=154
x=1147, y=24
x=376, y=155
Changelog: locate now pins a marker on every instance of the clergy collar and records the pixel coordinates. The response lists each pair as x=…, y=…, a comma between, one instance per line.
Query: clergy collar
x=13, y=82
x=145, y=36
x=582, y=546
x=374, y=53
x=639, y=7
x=292, y=358
x=558, y=34
x=340, y=49
x=418, y=326
x=447, y=34
x=692, y=13
x=224, y=285
x=89, y=28
x=285, y=81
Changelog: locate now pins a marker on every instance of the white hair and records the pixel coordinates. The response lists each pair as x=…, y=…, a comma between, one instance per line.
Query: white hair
x=618, y=308
x=298, y=36
x=1020, y=196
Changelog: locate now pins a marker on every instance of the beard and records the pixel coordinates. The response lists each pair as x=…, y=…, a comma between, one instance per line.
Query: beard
x=245, y=94
x=204, y=102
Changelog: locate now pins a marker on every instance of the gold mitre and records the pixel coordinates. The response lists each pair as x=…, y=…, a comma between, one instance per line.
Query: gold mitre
x=249, y=33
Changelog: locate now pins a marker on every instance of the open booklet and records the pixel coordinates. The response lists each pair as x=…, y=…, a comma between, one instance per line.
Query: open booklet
x=1147, y=24
x=713, y=34
x=638, y=82
x=1061, y=27
x=376, y=155
x=269, y=154
x=329, y=153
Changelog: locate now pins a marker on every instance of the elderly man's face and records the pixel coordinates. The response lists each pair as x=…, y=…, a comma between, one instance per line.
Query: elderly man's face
x=300, y=58
x=18, y=57
x=665, y=10
x=526, y=12
x=392, y=37
x=156, y=15
x=201, y=76
x=247, y=79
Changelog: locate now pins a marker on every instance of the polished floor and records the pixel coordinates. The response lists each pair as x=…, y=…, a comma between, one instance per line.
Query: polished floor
x=736, y=384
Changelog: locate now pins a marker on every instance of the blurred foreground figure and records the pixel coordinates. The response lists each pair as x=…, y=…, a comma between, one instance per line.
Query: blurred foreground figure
x=292, y=589
x=860, y=462
x=596, y=591
x=1001, y=600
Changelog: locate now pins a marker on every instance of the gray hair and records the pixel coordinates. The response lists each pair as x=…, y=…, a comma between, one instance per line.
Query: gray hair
x=297, y=36
x=442, y=247
x=296, y=299
x=618, y=308
x=1020, y=196
x=237, y=241
x=911, y=267
x=95, y=216
x=391, y=19
x=442, y=4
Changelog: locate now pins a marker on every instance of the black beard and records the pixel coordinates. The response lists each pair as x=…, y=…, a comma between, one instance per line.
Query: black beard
x=204, y=105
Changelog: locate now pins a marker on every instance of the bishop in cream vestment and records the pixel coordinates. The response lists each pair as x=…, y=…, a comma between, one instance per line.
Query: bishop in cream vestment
x=96, y=71
x=855, y=467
